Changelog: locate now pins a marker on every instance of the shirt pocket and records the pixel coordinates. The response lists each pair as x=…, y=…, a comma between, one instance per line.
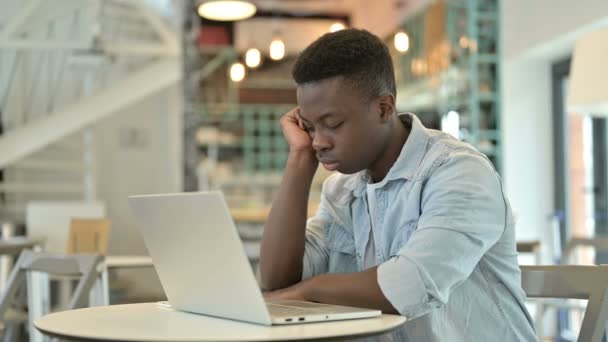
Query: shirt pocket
x=341, y=249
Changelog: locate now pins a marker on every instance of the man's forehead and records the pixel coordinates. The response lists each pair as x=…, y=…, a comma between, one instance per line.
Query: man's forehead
x=316, y=115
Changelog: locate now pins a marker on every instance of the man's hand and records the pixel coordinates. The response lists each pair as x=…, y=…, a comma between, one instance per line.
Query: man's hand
x=358, y=289
x=295, y=292
x=294, y=132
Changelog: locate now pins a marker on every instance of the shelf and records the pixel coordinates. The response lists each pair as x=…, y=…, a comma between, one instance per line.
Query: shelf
x=489, y=134
x=487, y=58
x=488, y=97
x=487, y=15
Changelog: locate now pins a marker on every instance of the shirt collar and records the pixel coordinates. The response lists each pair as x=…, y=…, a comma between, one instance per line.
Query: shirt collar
x=408, y=161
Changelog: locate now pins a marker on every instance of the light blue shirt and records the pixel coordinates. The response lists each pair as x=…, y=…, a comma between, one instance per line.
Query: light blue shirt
x=444, y=237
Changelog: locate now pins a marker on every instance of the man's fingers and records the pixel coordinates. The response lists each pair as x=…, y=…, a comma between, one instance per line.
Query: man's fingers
x=297, y=115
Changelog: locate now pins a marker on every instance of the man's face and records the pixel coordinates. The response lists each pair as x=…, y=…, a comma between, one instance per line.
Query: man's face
x=345, y=126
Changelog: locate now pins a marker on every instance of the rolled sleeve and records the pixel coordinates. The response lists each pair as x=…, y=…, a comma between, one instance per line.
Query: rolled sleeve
x=463, y=214
x=315, y=253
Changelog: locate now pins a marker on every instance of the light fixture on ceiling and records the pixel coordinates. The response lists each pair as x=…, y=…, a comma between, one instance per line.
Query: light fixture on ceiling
x=237, y=72
x=253, y=58
x=402, y=42
x=337, y=26
x=226, y=10
x=587, y=91
x=277, y=49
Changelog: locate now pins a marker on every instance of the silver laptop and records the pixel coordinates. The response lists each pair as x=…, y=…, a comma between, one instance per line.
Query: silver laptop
x=203, y=268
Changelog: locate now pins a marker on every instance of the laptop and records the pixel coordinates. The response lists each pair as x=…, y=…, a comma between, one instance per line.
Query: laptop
x=203, y=268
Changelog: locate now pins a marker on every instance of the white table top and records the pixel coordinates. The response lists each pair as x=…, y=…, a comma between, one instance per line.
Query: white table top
x=15, y=245
x=151, y=322
x=124, y=261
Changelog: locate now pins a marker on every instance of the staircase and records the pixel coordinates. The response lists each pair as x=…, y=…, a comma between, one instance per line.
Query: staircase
x=64, y=66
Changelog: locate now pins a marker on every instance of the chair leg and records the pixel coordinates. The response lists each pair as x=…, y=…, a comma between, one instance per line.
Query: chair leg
x=538, y=319
x=11, y=333
x=65, y=292
x=594, y=321
x=100, y=293
x=105, y=285
x=38, y=301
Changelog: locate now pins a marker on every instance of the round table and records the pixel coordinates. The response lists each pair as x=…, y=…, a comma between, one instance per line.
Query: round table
x=153, y=322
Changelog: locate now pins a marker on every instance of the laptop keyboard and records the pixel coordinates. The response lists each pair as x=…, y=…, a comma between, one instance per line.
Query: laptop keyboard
x=286, y=311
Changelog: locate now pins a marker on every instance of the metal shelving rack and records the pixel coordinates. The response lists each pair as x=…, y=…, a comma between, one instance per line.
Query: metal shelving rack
x=484, y=68
x=261, y=141
x=461, y=73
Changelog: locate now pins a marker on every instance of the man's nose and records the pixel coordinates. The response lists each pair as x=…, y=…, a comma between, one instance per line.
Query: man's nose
x=320, y=142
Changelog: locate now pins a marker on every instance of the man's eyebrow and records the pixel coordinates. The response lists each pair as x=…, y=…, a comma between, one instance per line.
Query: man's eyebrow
x=305, y=120
x=321, y=118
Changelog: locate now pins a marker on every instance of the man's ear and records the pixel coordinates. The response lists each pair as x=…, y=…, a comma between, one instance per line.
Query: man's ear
x=386, y=103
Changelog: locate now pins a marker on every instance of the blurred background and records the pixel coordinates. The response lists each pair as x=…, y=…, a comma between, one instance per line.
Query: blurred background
x=102, y=99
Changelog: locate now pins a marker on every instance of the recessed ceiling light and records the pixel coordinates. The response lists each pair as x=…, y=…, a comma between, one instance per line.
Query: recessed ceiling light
x=402, y=42
x=237, y=72
x=277, y=49
x=337, y=26
x=253, y=58
x=226, y=10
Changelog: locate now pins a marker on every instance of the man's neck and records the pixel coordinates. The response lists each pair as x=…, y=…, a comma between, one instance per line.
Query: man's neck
x=397, y=139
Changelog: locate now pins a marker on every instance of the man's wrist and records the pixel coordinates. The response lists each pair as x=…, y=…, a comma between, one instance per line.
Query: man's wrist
x=312, y=288
x=302, y=159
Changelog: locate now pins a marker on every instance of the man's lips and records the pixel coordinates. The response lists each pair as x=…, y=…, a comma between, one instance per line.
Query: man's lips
x=327, y=161
x=329, y=164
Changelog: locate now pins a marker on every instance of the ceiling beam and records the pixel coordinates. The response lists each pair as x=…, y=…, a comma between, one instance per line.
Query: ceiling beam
x=19, y=19
x=345, y=18
x=276, y=14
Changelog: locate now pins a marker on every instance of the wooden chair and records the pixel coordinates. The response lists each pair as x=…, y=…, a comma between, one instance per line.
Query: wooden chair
x=88, y=236
x=577, y=282
x=32, y=271
x=599, y=244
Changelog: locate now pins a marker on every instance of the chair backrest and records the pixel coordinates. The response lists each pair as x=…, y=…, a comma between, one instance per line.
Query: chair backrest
x=84, y=266
x=50, y=220
x=530, y=247
x=88, y=236
x=573, y=281
x=599, y=243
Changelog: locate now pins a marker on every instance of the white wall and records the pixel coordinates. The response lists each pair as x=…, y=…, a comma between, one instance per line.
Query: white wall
x=536, y=34
x=529, y=26
x=139, y=151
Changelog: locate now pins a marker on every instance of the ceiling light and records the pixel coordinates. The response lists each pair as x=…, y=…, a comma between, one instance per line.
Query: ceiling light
x=237, y=72
x=226, y=10
x=277, y=49
x=253, y=57
x=337, y=26
x=463, y=42
x=402, y=42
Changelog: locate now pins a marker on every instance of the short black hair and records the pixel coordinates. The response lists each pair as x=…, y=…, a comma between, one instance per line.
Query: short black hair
x=357, y=55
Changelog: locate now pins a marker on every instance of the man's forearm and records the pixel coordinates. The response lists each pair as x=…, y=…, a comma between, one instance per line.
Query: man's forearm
x=282, y=248
x=359, y=289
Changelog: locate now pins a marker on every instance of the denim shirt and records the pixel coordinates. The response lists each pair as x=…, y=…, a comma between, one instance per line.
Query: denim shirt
x=444, y=241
